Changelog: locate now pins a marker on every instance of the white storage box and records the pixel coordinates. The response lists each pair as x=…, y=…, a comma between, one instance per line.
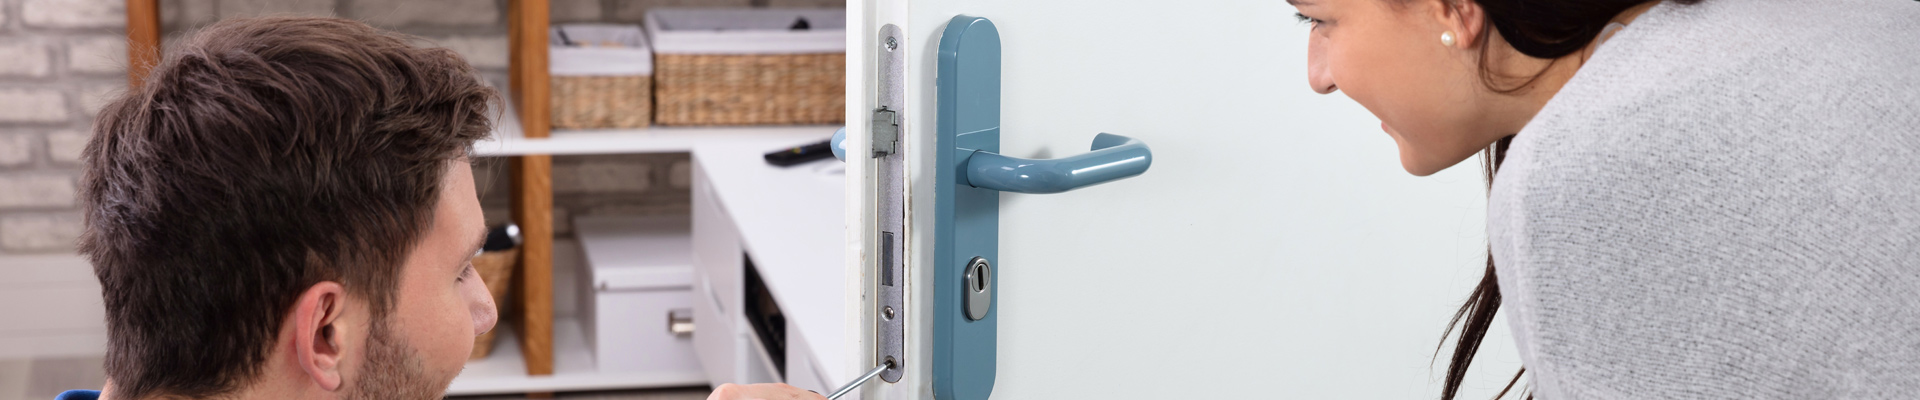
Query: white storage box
x=636, y=300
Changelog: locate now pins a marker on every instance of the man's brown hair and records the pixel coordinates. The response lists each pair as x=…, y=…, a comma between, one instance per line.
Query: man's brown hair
x=261, y=157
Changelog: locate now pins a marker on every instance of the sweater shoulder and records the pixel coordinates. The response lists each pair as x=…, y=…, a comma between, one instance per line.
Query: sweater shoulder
x=1713, y=178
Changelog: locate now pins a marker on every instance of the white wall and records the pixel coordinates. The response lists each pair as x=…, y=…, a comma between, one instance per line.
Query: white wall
x=49, y=308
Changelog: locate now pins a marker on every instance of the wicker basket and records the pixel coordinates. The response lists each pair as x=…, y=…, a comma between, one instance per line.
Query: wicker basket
x=747, y=66
x=595, y=102
x=496, y=269
x=601, y=77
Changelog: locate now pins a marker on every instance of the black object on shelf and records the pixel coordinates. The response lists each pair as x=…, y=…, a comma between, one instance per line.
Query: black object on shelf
x=797, y=155
x=502, y=237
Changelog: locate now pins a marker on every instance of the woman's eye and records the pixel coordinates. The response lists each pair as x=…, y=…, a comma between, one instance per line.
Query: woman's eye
x=1304, y=19
x=465, y=272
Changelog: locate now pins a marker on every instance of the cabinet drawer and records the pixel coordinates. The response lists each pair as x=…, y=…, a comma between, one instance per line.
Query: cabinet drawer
x=714, y=337
x=716, y=245
x=804, y=371
x=632, y=331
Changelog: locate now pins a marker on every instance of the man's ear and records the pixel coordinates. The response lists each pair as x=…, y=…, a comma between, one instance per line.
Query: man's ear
x=1465, y=18
x=317, y=336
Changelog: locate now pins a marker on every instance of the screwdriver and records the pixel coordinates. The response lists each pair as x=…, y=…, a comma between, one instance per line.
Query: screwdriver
x=863, y=379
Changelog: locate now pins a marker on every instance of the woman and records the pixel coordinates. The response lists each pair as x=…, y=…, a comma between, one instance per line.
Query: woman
x=1696, y=199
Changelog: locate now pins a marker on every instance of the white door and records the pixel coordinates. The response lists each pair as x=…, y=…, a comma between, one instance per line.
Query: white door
x=1275, y=249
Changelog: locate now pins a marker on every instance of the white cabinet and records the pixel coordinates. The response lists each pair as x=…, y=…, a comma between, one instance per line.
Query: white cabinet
x=769, y=293
x=720, y=334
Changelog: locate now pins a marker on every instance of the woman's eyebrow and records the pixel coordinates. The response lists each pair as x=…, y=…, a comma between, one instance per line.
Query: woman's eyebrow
x=1297, y=3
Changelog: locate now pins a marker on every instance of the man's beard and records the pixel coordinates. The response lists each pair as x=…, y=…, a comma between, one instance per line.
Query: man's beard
x=393, y=371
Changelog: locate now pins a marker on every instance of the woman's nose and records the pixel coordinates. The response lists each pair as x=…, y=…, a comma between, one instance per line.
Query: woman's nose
x=480, y=305
x=1318, y=74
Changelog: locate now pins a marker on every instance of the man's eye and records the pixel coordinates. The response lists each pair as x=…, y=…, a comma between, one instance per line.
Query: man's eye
x=465, y=272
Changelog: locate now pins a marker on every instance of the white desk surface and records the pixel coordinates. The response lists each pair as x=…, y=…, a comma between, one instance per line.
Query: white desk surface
x=792, y=221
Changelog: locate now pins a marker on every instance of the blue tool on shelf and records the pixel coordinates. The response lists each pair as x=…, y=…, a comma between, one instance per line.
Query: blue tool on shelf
x=805, y=153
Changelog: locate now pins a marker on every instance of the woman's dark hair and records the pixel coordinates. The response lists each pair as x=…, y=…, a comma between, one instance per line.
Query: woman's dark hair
x=1538, y=29
x=1546, y=29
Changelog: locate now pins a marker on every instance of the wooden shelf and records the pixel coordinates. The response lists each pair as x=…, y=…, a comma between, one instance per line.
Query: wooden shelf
x=508, y=140
x=505, y=372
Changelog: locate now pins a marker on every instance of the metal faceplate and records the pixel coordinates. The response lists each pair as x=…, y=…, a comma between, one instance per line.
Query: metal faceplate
x=890, y=190
x=966, y=219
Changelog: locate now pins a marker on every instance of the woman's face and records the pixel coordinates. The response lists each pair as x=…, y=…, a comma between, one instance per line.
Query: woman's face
x=1388, y=56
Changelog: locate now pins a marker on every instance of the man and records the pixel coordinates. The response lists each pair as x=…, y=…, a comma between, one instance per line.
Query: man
x=285, y=210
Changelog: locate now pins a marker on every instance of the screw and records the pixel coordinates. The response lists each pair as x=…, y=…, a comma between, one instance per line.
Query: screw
x=887, y=312
x=892, y=44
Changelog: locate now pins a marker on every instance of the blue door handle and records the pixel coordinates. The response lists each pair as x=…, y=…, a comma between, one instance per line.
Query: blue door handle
x=1113, y=157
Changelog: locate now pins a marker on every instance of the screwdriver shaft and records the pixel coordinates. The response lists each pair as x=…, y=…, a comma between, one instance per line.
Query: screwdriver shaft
x=856, y=383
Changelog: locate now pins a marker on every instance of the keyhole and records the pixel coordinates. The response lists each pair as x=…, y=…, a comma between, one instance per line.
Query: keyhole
x=980, y=276
x=979, y=288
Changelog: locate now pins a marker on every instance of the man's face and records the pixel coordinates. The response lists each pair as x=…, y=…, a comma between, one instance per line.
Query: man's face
x=440, y=307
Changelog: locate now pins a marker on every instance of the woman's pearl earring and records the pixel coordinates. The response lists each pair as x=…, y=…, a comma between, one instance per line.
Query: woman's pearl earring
x=1446, y=38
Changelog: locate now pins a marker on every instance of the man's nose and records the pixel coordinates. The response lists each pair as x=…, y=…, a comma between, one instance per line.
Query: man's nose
x=480, y=304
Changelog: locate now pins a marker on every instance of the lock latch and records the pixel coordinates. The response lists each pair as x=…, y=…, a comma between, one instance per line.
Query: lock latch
x=886, y=131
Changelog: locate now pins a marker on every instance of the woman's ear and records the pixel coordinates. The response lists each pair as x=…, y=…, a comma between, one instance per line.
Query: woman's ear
x=1464, y=18
x=317, y=338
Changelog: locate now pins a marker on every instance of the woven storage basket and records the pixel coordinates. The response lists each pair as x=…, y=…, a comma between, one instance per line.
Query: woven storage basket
x=601, y=76
x=748, y=66
x=496, y=269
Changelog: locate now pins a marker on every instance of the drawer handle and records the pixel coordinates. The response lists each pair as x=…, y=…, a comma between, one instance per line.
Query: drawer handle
x=680, y=321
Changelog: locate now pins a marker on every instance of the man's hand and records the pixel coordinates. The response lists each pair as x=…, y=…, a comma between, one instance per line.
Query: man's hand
x=763, y=391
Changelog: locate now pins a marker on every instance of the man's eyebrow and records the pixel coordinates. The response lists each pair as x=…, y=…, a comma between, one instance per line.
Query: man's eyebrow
x=477, y=244
x=1297, y=3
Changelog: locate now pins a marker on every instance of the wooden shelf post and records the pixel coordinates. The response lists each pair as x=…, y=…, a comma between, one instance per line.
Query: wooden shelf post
x=533, y=180
x=143, y=40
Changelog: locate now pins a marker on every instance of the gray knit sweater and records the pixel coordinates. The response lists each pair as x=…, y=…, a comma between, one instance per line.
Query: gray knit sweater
x=1724, y=203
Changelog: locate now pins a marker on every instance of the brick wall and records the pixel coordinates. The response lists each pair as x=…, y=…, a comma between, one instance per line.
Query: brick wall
x=60, y=59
